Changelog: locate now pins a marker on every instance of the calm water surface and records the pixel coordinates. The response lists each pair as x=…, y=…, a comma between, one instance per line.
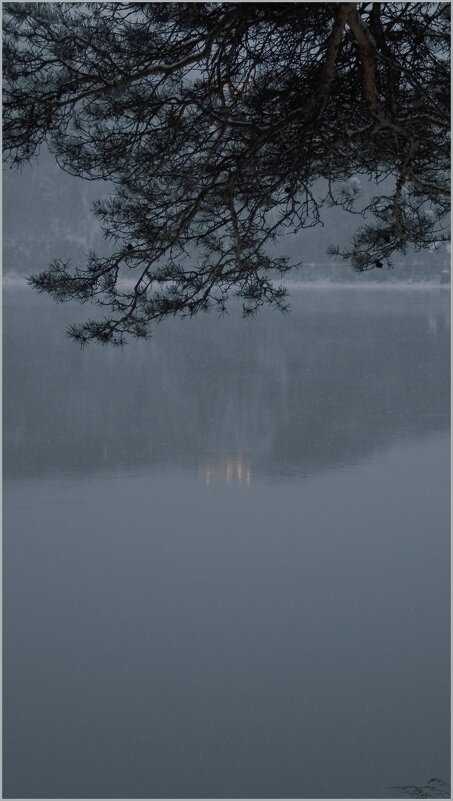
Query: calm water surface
x=227, y=553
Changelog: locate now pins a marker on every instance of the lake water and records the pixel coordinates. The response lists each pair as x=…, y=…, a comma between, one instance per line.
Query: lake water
x=226, y=552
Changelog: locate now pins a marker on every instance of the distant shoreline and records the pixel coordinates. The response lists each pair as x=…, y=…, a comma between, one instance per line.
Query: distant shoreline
x=400, y=285
x=14, y=281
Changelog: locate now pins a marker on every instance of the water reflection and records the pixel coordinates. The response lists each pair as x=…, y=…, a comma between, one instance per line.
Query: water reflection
x=344, y=375
x=237, y=470
x=272, y=622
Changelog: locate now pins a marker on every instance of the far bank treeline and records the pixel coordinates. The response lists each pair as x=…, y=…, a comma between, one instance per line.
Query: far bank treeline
x=216, y=125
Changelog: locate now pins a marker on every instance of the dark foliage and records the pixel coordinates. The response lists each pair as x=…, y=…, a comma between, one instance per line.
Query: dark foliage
x=215, y=123
x=435, y=788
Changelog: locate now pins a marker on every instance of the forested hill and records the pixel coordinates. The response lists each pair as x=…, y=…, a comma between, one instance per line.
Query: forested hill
x=47, y=215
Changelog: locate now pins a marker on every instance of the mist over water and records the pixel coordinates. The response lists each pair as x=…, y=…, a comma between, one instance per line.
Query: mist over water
x=226, y=552
x=342, y=375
